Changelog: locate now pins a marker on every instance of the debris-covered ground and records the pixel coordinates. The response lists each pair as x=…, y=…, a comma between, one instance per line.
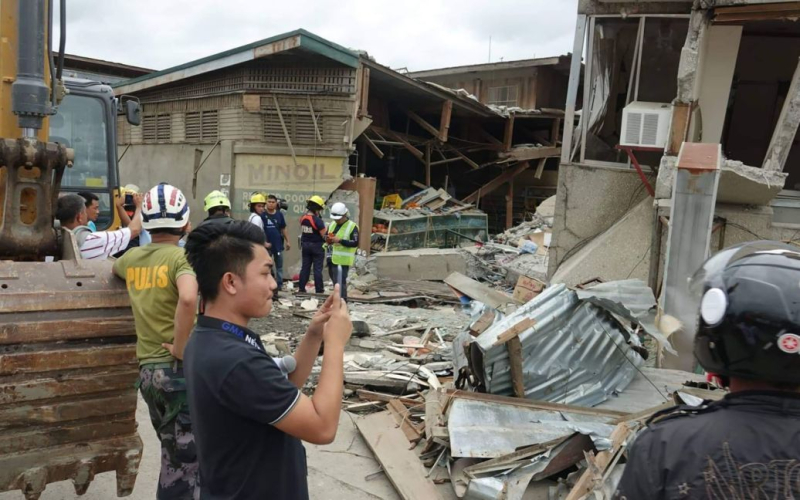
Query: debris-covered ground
x=491, y=382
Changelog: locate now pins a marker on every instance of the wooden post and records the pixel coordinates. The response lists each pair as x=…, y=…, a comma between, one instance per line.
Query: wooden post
x=508, y=136
x=444, y=123
x=514, y=347
x=363, y=105
x=285, y=130
x=510, y=205
x=555, y=132
x=362, y=158
x=428, y=164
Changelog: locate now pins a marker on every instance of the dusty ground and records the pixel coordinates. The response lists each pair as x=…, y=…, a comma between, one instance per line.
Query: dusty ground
x=343, y=470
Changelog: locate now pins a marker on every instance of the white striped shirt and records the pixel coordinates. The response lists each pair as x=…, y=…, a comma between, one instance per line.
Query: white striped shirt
x=103, y=244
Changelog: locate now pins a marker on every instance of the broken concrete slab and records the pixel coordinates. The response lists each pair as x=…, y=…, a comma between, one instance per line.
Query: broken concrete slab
x=738, y=183
x=621, y=252
x=431, y=264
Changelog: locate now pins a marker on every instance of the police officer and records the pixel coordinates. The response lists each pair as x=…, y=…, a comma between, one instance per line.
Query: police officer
x=218, y=207
x=342, y=244
x=746, y=445
x=312, y=239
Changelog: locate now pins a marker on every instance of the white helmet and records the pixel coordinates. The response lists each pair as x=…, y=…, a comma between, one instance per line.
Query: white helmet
x=165, y=207
x=338, y=210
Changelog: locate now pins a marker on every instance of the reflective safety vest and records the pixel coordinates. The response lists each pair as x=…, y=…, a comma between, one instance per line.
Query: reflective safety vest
x=342, y=255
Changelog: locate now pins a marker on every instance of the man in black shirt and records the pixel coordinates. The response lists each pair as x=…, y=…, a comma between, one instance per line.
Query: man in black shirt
x=218, y=207
x=249, y=417
x=746, y=445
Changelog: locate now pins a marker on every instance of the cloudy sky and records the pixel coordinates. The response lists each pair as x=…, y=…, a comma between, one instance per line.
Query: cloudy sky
x=412, y=34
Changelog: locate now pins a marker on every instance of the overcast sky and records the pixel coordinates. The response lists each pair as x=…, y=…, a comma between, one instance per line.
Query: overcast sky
x=415, y=34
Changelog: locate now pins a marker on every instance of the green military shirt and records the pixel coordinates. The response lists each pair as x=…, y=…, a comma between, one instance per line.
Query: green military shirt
x=151, y=274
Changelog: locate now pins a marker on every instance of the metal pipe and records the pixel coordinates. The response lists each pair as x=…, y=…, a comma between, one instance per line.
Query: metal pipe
x=62, y=44
x=30, y=95
x=50, y=61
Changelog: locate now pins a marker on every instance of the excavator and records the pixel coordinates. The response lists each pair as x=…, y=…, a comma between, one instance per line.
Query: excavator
x=67, y=338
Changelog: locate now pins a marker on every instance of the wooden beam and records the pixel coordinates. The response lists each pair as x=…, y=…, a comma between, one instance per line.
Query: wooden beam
x=514, y=347
x=681, y=114
x=446, y=160
x=467, y=160
x=489, y=137
x=401, y=465
x=363, y=105
x=444, y=122
x=510, y=205
x=785, y=131
x=515, y=330
x=314, y=119
x=538, y=405
x=540, y=168
x=757, y=12
x=374, y=147
x=498, y=181
x=428, y=164
x=508, y=135
x=422, y=123
x=526, y=154
x=555, y=131
x=285, y=130
x=414, y=151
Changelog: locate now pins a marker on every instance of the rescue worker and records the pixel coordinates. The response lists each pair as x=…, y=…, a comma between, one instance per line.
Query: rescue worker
x=312, y=239
x=163, y=295
x=342, y=244
x=257, y=203
x=275, y=232
x=218, y=208
x=746, y=445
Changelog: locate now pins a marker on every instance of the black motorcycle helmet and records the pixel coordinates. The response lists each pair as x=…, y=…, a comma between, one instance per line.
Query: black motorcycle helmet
x=749, y=324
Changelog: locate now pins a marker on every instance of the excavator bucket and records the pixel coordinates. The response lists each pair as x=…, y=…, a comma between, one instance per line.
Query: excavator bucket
x=67, y=372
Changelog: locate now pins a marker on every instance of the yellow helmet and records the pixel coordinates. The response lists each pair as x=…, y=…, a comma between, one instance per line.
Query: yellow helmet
x=258, y=198
x=317, y=200
x=216, y=199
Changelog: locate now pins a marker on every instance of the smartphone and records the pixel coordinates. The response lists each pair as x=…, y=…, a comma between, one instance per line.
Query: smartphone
x=340, y=278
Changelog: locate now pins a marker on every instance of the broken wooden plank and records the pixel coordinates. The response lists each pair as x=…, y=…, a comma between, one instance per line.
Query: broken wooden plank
x=515, y=330
x=514, y=347
x=414, y=151
x=374, y=147
x=529, y=403
x=527, y=153
x=786, y=129
x=481, y=324
x=508, y=133
x=422, y=123
x=469, y=162
x=444, y=121
x=478, y=291
x=498, y=181
x=434, y=407
x=385, y=398
x=401, y=416
x=400, y=464
x=586, y=483
x=540, y=168
x=285, y=130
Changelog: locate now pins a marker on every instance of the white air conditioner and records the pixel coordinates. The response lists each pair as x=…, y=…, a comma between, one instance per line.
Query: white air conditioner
x=645, y=124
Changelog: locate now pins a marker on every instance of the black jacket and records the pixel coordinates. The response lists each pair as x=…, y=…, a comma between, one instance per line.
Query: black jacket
x=216, y=219
x=744, y=446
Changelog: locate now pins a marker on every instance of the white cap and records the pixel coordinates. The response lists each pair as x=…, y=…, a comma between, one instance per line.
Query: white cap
x=338, y=210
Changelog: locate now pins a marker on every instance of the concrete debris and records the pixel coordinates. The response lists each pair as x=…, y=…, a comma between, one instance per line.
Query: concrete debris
x=430, y=264
x=310, y=304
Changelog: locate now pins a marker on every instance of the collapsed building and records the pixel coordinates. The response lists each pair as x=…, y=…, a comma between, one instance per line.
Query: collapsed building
x=296, y=115
x=659, y=75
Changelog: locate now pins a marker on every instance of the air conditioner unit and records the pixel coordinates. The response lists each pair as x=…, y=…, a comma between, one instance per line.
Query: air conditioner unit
x=645, y=124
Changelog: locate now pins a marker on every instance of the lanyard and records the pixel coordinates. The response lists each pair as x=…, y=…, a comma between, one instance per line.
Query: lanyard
x=236, y=330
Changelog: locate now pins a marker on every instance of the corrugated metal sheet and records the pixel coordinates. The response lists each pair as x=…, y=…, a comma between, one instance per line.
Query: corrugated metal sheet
x=576, y=353
x=630, y=299
x=480, y=429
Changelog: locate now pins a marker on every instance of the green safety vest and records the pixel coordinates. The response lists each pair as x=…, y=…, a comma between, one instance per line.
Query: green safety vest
x=342, y=255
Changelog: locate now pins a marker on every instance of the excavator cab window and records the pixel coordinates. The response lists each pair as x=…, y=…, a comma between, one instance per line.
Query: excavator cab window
x=82, y=123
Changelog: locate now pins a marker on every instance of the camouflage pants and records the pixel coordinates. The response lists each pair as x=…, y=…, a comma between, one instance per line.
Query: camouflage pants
x=164, y=390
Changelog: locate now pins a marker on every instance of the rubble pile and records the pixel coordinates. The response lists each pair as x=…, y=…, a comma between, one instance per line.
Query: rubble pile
x=505, y=397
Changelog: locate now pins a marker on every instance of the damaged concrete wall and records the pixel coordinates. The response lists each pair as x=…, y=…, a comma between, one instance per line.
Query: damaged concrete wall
x=621, y=252
x=589, y=201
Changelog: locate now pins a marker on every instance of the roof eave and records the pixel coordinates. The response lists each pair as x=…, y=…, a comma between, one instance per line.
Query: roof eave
x=264, y=48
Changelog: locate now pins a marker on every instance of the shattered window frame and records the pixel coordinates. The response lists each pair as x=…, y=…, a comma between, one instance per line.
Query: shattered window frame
x=585, y=46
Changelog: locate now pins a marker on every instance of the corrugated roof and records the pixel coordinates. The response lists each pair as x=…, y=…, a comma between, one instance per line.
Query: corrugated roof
x=296, y=39
x=576, y=353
